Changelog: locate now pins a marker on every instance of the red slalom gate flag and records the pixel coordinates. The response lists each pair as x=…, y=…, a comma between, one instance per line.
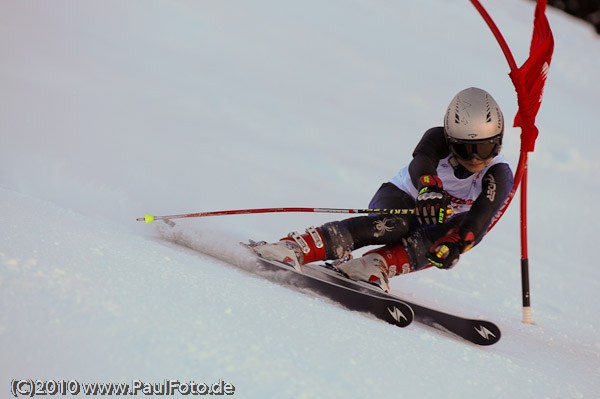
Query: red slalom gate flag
x=530, y=78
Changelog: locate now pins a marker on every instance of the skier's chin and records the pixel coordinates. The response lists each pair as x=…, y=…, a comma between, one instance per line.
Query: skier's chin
x=474, y=165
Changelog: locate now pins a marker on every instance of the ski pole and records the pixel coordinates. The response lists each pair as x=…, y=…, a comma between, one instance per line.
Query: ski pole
x=149, y=218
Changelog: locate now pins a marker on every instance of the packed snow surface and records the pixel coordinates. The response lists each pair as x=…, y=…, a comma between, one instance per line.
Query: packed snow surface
x=111, y=109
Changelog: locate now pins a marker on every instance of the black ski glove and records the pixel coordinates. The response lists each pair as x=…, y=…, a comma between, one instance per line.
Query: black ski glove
x=444, y=253
x=432, y=202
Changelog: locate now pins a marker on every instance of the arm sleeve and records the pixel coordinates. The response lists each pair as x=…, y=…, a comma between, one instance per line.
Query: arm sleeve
x=427, y=154
x=495, y=187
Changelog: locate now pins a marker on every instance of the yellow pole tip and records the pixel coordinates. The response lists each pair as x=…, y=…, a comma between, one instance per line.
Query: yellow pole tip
x=149, y=218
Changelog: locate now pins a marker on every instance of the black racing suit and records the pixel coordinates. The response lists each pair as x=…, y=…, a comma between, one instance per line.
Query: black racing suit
x=342, y=237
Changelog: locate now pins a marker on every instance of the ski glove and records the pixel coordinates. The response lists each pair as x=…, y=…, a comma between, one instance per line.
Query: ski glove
x=444, y=253
x=432, y=202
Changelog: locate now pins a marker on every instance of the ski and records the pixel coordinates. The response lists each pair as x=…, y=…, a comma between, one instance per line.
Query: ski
x=477, y=331
x=363, y=297
x=391, y=310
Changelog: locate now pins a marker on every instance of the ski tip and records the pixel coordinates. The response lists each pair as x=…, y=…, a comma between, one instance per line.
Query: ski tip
x=149, y=218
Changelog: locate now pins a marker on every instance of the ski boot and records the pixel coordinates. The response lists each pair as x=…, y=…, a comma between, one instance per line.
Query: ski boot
x=378, y=266
x=295, y=249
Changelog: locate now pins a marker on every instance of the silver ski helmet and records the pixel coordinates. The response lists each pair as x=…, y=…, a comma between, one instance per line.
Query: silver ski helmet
x=474, y=125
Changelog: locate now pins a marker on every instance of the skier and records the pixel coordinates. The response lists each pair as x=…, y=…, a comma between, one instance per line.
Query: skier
x=456, y=183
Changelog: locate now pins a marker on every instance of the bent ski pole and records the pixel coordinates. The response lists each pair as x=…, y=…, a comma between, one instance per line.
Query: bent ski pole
x=149, y=218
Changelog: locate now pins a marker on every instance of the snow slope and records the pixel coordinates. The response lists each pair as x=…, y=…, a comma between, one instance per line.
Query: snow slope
x=111, y=109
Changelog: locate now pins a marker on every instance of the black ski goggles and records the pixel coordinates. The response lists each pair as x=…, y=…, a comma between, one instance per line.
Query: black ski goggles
x=479, y=149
